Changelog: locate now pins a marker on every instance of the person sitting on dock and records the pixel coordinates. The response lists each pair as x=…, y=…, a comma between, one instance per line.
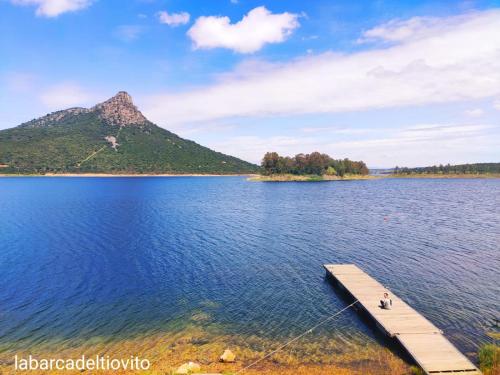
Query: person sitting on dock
x=386, y=303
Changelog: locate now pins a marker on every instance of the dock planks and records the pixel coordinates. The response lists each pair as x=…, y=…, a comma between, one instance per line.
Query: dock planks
x=425, y=343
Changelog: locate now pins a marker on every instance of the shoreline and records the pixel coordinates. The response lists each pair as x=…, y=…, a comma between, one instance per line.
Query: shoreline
x=203, y=344
x=308, y=178
x=444, y=176
x=111, y=175
x=317, y=178
x=274, y=178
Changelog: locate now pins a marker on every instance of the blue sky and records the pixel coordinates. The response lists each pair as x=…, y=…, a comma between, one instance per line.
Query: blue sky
x=388, y=82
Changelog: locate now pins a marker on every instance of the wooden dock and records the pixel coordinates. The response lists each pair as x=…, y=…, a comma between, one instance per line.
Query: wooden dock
x=423, y=341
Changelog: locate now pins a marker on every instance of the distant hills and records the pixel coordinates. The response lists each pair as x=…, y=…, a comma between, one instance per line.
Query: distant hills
x=112, y=137
x=477, y=168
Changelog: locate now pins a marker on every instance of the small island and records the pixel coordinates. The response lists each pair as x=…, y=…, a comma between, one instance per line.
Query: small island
x=310, y=167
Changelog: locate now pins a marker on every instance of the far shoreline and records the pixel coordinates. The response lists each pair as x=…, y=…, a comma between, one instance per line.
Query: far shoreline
x=317, y=178
x=444, y=176
x=111, y=175
x=254, y=177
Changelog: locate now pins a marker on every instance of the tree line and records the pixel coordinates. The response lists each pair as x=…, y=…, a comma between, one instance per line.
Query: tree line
x=314, y=163
x=478, y=168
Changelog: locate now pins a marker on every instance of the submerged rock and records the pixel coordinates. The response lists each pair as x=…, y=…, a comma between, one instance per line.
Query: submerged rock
x=227, y=357
x=188, y=368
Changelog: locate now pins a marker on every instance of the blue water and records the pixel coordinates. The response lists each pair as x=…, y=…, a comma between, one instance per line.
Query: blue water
x=117, y=257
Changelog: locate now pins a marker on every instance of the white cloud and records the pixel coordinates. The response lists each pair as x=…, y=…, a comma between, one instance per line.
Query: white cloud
x=423, y=145
x=128, y=33
x=475, y=112
x=401, y=30
x=65, y=95
x=496, y=104
x=417, y=145
x=253, y=148
x=173, y=19
x=205, y=128
x=257, y=28
x=460, y=61
x=345, y=130
x=53, y=8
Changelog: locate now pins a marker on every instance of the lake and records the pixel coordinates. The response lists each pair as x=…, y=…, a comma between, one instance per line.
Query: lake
x=114, y=258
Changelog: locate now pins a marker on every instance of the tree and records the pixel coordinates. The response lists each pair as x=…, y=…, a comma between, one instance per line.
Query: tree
x=314, y=163
x=330, y=171
x=270, y=163
x=300, y=164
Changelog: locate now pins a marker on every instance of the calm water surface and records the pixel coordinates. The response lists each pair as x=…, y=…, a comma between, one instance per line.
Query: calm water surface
x=115, y=257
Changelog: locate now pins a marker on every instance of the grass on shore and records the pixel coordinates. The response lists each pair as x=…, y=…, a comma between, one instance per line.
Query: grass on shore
x=489, y=359
x=308, y=178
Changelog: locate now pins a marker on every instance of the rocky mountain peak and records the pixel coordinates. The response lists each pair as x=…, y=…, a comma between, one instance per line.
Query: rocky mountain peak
x=120, y=110
x=123, y=97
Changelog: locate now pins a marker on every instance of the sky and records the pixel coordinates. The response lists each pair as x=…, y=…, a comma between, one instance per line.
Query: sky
x=406, y=83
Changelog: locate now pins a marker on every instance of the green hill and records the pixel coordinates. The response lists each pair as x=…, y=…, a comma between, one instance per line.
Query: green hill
x=112, y=137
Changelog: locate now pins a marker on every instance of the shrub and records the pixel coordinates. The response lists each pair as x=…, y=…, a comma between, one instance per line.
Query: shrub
x=489, y=359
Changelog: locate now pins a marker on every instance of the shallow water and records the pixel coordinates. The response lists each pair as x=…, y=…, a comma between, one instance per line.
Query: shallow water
x=116, y=257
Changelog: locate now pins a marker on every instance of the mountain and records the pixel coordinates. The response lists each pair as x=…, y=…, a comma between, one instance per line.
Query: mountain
x=111, y=137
